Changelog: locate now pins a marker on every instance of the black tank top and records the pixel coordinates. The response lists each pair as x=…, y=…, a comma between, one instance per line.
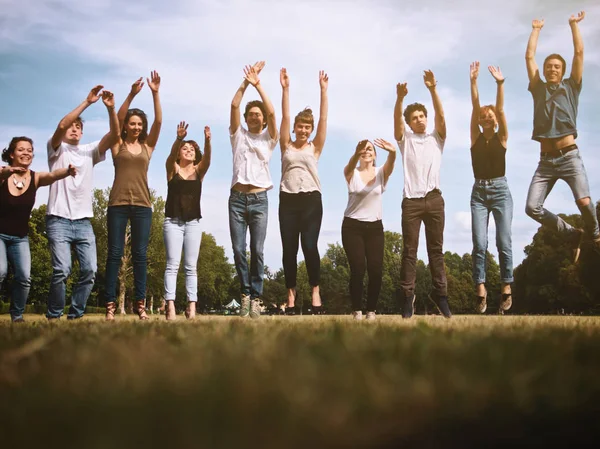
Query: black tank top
x=183, y=198
x=16, y=210
x=488, y=158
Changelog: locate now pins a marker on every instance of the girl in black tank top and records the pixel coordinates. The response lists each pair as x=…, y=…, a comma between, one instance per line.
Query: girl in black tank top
x=490, y=192
x=186, y=167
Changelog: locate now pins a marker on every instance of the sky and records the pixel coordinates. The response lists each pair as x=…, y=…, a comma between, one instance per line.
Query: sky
x=53, y=52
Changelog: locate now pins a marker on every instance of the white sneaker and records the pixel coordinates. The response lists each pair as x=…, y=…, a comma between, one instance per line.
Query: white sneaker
x=357, y=315
x=245, y=306
x=255, y=308
x=371, y=316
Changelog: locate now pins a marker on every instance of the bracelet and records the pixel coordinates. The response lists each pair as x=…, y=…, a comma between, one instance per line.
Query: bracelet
x=499, y=81
x=110, y=108
x=179, y=138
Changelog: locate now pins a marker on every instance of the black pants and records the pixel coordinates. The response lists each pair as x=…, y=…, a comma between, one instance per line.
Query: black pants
x=300, y=216
x=430, y=211
x=363, y=243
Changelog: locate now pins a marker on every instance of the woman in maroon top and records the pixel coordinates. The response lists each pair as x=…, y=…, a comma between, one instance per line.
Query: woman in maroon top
x=18, y=185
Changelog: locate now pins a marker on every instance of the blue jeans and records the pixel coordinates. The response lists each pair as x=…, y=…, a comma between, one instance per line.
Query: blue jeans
x=492, y=195
x=570, y=169
x=141, y=221
x=15, y=250
x=249, y=210
x=64, y=234
x=186, y=235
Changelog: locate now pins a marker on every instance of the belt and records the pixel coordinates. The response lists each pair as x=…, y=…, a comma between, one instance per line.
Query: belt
x=559, y=153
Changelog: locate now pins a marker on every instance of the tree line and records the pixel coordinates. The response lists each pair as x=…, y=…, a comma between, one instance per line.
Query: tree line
x=546, y=282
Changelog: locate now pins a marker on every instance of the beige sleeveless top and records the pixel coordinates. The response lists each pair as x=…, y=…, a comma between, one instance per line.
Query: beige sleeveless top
x=130, y=187
x=299, y=171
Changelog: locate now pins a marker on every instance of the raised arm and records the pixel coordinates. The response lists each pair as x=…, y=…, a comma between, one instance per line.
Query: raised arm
x=401, y=92
x=577, y=67
x=154, y=85
x=533, y=71
x=8, y=170
x=388, y=167
x=500, y=116
x=475, y=102
x=172, y=158
x=349, y=169
x=46, y=178
x=112, y=136
x=68, y=119
x=440, y=120
x=234, y=120
x=319, y=140
x=252, y=77
x=285, y=137
x=136, y=87
x=204, y=164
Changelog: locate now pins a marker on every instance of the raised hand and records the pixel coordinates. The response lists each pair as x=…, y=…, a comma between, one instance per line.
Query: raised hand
x=401, y=90
x=94, y=94
x=154, y=81
x=429, y=79
x=496, y=73
x=207, y=133
x=323, y=80
x=258, y=66
x=539, y=24
x=71, y=171
x=136, y=87
x=182, y=130
x=284, y=78
x=474, y=70
x=577, y=18
x=108, y=99
x=251, y=75
x=385, y=145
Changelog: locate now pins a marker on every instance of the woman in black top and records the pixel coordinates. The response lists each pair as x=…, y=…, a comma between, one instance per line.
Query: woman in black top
x=490, y=191
x=18, y=185
x=186, y=167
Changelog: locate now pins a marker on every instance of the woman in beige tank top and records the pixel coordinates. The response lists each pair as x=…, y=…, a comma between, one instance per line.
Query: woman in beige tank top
x=130, y=196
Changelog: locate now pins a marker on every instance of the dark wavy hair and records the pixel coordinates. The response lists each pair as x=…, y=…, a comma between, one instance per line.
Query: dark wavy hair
x=9, y=151
x=260, y=105
x=305, y=116
x=142, y=115
x=197, y=150
x=412, y=108
x=560, y=58
x=363, y=143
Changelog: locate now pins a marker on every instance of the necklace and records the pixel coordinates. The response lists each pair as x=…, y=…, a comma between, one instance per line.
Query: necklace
x=19, y=184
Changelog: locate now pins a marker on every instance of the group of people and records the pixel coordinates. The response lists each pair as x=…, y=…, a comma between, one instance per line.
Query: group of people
x=300, y=204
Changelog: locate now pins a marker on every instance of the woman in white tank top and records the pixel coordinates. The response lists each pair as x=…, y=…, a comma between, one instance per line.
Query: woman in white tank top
x=362, y=228
x=300, y=205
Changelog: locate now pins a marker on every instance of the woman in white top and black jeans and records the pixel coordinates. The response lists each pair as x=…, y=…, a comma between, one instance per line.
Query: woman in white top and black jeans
x=300, y=206
x=362, y=229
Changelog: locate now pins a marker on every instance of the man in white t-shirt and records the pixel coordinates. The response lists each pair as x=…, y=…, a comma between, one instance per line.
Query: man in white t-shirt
x=248, y=203
x=422, y=198
x=70, y=205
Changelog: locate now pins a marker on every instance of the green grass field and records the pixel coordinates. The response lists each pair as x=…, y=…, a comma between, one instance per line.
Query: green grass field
x=300, y=382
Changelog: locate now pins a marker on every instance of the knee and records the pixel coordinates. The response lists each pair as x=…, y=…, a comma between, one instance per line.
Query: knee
x=583, y=202
x=190, y=270
x=87, y=274
x=533, y=210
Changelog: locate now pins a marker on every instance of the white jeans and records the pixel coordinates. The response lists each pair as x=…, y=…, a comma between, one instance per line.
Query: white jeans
x=179, y=235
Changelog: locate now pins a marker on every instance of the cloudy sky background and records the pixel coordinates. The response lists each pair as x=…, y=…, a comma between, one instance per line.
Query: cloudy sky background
x=53, y=52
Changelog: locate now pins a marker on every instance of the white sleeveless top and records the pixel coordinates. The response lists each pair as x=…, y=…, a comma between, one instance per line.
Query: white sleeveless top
x=364, y=201
x=299, y=172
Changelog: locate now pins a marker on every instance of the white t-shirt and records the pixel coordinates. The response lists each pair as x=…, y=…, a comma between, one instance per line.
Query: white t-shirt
x=299, y=172
x=364, y=200
x=71, y=197
x=251, y=156
x=421, y=160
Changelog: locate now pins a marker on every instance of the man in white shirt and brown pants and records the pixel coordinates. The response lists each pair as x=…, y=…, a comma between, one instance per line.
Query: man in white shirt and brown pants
x=422, y=198
x=248, y=202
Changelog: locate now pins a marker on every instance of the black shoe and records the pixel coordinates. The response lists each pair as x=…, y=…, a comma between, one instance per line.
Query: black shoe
x=290, y=311
x=317, y=310
x=442, y=306
x=409, y=306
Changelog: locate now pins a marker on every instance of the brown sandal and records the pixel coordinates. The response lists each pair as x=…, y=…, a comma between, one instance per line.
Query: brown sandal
x=110, y=311
x=140, y=308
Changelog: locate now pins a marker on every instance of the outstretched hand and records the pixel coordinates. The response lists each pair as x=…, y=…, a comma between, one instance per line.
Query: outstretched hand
x=577, y=18
x=251, y=75
x=207, y=133
x=538, y=24
x=385, y=145
x=323, y=80
x=429, y=79
x=496, y=73
x=401, y=90
x=154, y=81
x=94, y=94
x=284, y=78
x=108, y=99
x=71, y=171
x=136, y=87
x=474, y=70
x=182, y=130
